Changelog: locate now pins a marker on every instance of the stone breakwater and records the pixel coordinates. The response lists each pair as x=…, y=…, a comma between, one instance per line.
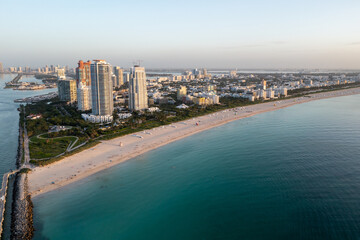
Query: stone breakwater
x=20, y=152
x=22, y=213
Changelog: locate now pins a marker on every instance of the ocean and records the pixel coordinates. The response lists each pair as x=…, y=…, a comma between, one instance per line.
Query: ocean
x=293, y=173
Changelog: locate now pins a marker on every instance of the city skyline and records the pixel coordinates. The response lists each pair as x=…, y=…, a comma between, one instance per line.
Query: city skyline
x=168, y=34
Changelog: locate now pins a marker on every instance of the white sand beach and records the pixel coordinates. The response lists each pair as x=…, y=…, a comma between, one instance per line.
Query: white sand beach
x=111, y=152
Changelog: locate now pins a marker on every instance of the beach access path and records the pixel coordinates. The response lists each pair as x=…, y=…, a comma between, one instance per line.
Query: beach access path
x=111, y=152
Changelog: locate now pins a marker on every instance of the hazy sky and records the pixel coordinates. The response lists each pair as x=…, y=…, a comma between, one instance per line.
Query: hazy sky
x=182, y=33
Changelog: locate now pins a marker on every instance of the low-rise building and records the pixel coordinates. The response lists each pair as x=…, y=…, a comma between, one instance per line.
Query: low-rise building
x=181, y=92
x=97, y=118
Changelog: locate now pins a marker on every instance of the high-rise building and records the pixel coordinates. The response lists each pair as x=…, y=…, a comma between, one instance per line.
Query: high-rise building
x=113, y=79
x=263, y=85
x=270, y=93
x=60, y=73
x=181, y=92
x=83, y=73
x=138, y=98
x=119, y=73
x=101, y=88
x=1, y=68
x=126, y=77
x=67, y=90
x=83, y=97
x=205, y=72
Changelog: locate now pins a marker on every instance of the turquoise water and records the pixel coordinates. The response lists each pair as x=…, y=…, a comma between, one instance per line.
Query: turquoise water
x=288, y=174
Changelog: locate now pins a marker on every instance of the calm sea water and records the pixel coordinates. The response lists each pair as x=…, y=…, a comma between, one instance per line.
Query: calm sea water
x=9, y=120
x=288, y=174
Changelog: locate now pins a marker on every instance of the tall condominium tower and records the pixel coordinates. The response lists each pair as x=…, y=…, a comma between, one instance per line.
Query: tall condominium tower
x=101, y=88
x=67, y=90
x=1, y=68
x=119, y=77
x=83, y=81
x=83, y=97
x=138, y=98
x=83, y=73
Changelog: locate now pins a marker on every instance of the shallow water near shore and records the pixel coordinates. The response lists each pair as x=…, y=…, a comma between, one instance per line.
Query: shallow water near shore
x=293, y=173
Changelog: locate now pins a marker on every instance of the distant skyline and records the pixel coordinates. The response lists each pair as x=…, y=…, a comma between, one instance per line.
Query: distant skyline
x=183, y=34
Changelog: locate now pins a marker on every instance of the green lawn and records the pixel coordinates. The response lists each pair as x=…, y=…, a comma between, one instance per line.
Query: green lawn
x=47, y=148
x=80, y=141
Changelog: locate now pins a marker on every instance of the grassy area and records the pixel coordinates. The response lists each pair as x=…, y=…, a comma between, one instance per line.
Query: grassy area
x=67, y=154
x=80, y=141
x=48, y=148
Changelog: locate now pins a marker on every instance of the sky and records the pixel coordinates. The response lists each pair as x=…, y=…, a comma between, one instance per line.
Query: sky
x=243, y=34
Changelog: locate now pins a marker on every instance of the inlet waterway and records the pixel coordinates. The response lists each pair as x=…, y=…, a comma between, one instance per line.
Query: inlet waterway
x=9, y=126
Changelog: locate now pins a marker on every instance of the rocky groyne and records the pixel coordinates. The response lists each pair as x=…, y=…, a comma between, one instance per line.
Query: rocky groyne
x=22, y=210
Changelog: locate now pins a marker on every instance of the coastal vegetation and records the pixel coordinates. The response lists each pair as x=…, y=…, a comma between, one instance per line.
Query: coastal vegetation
x=41, y=148
x=25, y=170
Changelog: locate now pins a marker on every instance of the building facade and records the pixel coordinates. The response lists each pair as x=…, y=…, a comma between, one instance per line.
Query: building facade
x=83, y=97
x=83, y=73
x=126, y=77
x=67, y=90
x=60, y=73
x=181, y=92
x=101, y=88
x=119, y=74
x=138, y=98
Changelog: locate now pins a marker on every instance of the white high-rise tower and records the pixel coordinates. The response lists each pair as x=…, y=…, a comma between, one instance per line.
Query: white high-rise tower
x=138, y=98
x=101, y=88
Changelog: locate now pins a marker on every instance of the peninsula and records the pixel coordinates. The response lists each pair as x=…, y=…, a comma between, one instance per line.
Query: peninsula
x=111, y=152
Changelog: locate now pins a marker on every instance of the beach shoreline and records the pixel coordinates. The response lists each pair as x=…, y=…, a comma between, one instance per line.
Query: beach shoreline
x=113, y=152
